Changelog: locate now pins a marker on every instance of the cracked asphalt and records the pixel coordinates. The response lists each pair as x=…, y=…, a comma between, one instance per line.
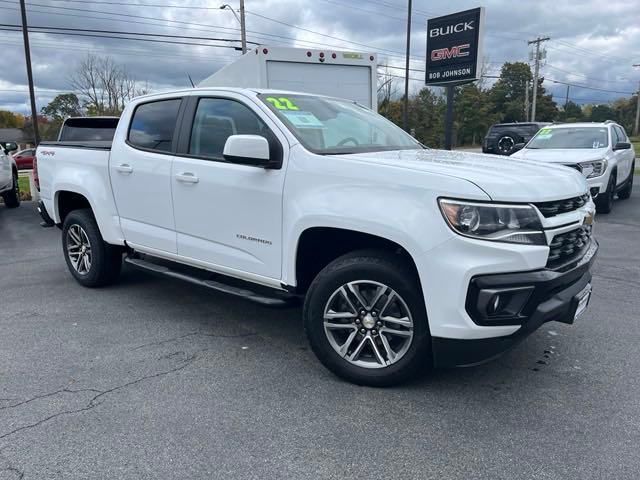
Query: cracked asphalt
x=157, y=379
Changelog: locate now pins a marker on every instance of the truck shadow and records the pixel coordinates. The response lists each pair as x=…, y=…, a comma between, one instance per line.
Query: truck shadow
x=205, y=311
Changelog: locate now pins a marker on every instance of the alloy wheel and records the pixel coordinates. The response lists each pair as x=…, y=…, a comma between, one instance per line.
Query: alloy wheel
x=506, y=144
x=368, y=324
x=79, y=249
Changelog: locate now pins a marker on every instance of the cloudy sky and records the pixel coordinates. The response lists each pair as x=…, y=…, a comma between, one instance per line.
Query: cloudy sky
x=593, y=43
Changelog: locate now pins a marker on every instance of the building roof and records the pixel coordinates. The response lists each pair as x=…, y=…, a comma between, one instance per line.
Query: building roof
x=13, y=135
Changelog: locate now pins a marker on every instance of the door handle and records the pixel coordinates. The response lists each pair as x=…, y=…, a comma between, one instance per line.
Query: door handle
x=124, y=168
x=187, y=177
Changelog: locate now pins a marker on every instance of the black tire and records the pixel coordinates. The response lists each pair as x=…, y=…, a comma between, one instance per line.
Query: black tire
x=12, y=197
x=625, y=192
x=505, y=145
x=604, y=201
x=392, y=271
x=105, y=259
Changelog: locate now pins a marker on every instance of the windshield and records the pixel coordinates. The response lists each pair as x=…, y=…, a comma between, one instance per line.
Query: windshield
x=570, y=137
x=329, y=126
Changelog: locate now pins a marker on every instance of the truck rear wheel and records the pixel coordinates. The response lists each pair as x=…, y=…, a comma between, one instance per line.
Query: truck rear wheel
x=12, y=197
x=91, y=261
x=365, y=319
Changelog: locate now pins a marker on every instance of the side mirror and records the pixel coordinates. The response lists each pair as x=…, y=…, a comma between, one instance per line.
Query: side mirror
x=518, y=146
x=248, y=150
x=622, y=146
x=10, y=147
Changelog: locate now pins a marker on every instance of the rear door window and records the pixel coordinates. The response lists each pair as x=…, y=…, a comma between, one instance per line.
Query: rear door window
x=153, y=125
x=88, y=129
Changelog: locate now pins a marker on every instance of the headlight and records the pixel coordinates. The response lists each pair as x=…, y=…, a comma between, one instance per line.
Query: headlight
x=594, y=169
x=498, y=223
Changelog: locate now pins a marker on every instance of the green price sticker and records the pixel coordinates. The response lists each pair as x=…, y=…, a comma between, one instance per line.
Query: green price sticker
x=282, y=103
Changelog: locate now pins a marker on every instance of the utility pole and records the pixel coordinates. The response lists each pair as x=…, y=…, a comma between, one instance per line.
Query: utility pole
x=241, y=21
x=635, y=126
x=537, y=41
x=27, y=56
x=448, y=118
x=566, y=100
x=243, y=31
x=405, y=113
x=526, y=102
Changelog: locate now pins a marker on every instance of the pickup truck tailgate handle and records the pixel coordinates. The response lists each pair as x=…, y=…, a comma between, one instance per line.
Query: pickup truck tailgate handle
x=187, y=177
x=124, y=168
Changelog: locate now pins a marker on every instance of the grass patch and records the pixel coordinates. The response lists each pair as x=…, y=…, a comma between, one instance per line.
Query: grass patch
x=25, y=191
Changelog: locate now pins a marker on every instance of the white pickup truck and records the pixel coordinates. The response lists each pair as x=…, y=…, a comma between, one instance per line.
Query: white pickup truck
x=406, y=257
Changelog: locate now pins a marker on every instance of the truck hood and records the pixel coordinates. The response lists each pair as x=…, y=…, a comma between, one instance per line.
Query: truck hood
x=504, y=179
x=561, y=155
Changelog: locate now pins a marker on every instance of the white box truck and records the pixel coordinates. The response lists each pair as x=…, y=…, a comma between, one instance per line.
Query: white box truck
x=350, y=75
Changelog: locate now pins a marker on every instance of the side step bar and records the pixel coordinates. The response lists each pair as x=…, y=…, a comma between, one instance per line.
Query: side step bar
x=282, y=300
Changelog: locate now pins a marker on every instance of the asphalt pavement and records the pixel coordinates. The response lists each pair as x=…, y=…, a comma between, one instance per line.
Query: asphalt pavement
x=157, y=379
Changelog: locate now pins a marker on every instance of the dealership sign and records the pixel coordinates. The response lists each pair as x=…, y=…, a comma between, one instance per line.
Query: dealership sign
x=454, y=47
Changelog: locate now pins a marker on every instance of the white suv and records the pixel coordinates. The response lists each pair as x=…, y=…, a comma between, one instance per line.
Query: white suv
x=9, y=188
x=601, y=151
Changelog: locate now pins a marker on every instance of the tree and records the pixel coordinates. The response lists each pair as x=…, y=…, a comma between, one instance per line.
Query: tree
x=473, y=115
x=386, y=90
x=625, y=109
x=572, y=113
x=104, y=86
x=600, y=113
x=508, y=93
x=63, y=106
x=11, y=120
x=546, y=108
x=426, y=116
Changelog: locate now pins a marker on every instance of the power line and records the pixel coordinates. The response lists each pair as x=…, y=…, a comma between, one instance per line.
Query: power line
x=324, y=34
x=115, y=37
x=352, y=7
x=255, y=34
x=129, y=4
x=576, y=100
x=198, y=24
x=583, y=76
x=552, y=80
x=163, y=35
x=132, y=52
x=126, y=15
x=581, y=54
x=590, y=52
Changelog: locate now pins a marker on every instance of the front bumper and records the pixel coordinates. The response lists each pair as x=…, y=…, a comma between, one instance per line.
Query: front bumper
x=596, y=186
x=550, y=296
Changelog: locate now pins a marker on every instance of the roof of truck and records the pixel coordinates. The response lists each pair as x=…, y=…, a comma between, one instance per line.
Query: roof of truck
x=255, y=91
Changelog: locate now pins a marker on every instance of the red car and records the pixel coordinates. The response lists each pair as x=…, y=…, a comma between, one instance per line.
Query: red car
x=24, y=158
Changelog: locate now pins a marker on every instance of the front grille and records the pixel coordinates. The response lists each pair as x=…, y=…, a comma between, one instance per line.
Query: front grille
x=550, y=209
x=567, y=248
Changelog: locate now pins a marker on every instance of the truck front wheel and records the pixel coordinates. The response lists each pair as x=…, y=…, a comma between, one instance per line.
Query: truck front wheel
x=365, y=319
x=91, y=261
x=604, y=201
